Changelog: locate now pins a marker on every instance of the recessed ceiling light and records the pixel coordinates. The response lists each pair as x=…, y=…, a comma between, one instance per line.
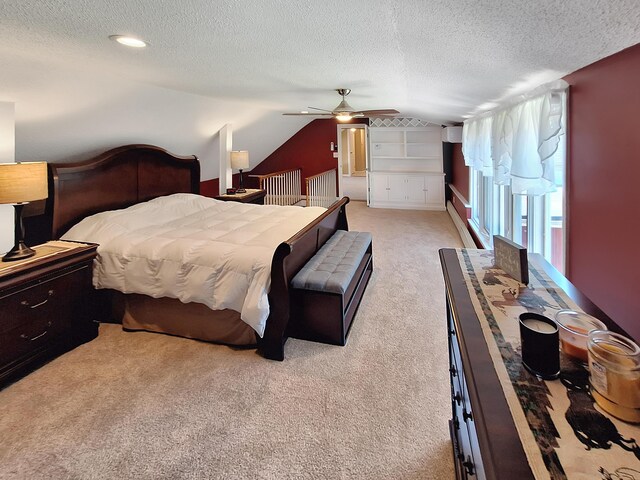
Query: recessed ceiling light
x=304, y=111
x=129, y=41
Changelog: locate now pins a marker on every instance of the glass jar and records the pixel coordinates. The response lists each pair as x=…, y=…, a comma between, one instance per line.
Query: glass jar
x=574, y=330
x=614, y=374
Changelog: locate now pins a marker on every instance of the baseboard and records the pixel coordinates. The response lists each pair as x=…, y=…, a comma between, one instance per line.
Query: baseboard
x=406, y=206
x=467, y=240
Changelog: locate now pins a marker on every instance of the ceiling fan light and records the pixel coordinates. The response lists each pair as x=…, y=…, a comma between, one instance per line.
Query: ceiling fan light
x=343, y=117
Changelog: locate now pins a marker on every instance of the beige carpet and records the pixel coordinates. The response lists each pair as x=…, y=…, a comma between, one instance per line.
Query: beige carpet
x=142, y=405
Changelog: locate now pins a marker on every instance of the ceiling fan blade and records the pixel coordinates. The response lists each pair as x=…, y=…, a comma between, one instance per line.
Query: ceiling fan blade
x=321, y=109
x=384, y=111
x=303, y=114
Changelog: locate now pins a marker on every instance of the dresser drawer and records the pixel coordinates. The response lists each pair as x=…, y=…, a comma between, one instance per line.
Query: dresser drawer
x=33, y=334
x=35, y=314
x=468, y=459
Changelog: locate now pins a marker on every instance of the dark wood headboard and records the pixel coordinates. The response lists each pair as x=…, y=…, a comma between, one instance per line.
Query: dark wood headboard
x=118, y=178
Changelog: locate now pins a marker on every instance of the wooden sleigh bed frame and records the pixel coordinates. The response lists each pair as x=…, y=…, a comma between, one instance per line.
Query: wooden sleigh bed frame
x=132, y=174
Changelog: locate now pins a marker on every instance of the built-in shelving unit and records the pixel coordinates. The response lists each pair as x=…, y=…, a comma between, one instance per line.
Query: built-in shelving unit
x=405, y=168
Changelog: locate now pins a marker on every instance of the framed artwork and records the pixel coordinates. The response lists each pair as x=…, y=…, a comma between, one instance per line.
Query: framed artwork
x=512, y=258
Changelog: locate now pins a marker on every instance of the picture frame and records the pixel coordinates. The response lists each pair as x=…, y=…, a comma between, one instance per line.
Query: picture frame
x=512, y=258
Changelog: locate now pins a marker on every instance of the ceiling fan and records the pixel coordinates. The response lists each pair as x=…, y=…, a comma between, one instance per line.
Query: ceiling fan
x=344, y=112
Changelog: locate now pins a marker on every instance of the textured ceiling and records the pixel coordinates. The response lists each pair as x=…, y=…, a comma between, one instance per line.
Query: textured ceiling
x=435, y=60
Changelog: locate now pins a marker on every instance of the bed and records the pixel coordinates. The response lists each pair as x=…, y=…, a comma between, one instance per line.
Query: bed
x=132, y=174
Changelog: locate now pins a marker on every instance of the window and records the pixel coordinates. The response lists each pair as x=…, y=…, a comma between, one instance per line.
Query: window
x=517, y=181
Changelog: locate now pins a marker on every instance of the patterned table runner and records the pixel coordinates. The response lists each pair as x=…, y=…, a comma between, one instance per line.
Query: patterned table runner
x=565, y=435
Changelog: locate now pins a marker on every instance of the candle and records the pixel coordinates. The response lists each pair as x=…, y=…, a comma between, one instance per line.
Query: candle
x=539, y=345
x=539, y=326
x=614, y=367
x=574, y=329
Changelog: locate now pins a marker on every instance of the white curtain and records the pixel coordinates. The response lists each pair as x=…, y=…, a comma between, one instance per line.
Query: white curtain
x=476, y=144
x=517, y=143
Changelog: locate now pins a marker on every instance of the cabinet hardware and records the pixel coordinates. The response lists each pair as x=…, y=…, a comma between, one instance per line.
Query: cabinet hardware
x=453, y=371
x=457, y=398
x=36, y=305
x=467, y=415
x=468, y=466
x=26, y=337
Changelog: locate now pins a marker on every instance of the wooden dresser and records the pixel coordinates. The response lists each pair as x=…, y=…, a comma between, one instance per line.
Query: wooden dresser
x=485, y=441
x=46, y=306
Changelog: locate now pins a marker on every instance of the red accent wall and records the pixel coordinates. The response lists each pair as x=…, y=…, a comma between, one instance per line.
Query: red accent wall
x=603, y=260
x=460, y=171
x=210, y=188
x=309, y=149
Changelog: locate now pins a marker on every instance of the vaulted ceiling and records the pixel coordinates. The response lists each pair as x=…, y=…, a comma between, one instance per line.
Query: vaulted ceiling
x=435, y=60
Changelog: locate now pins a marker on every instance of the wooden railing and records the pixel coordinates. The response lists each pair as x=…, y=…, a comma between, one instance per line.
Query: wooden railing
x=283, y=188
x=321, y=189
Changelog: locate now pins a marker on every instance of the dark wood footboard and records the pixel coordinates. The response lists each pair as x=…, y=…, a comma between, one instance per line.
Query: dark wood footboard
x=289, y=258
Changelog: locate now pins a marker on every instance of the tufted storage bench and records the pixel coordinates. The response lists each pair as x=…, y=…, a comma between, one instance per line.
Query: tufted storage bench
x=327, y=291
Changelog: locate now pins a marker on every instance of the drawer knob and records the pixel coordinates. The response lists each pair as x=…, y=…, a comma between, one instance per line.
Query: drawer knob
x=26, y=337
x=468, y=466
x=457, y=398
x=466, y=415
x=39, y=304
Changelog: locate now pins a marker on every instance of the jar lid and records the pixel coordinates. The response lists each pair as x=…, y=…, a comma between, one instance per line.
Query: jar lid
x=578, y=323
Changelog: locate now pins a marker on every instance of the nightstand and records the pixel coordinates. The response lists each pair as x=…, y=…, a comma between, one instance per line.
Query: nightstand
x=252, y=195
x=46, y=306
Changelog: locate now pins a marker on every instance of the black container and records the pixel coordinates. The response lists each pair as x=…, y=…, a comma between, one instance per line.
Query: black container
x=539, y=340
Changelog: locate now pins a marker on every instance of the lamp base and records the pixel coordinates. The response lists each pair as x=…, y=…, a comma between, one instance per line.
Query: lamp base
x=240, y=189
x=18, y=252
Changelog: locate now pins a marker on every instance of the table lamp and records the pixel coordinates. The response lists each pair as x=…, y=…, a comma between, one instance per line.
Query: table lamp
x=21, y=183
x=240, y=160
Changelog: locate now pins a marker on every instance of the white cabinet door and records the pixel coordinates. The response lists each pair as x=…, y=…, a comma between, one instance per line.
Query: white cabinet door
x=415, y=189
x=434, y=186
x=379, y=188
x=397, y=188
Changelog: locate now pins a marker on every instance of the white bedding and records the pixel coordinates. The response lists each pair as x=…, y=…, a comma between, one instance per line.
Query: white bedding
x=193, y=248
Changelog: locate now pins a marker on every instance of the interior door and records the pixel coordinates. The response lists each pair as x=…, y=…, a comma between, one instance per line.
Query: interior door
x=345, y=151
x=344, y=155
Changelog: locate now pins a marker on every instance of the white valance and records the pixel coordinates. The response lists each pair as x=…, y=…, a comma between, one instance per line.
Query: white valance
x=516, y=143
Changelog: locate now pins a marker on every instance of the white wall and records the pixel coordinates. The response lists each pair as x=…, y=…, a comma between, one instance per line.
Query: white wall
x=64, y=115
x=354, y=187
x=7, y=148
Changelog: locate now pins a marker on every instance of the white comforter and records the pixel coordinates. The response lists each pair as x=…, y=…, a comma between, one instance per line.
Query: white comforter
x=193, y=248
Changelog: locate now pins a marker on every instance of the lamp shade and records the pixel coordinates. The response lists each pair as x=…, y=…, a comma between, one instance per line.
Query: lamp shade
x=23, y=182
x=240, y=159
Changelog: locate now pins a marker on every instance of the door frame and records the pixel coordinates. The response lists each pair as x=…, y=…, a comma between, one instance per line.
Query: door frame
x=344, y=126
